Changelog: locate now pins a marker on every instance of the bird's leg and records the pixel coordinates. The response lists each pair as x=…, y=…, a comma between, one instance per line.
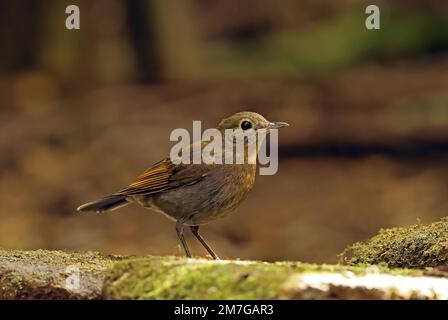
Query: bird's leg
x=195, y=231
x=180, y=234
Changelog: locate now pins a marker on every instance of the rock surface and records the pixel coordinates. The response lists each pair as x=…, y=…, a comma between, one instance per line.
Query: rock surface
x=44, y=274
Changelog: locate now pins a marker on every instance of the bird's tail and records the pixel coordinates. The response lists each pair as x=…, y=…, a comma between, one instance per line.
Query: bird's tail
x=108, y=203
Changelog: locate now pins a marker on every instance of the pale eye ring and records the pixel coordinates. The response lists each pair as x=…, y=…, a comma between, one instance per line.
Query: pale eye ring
x=246, y=125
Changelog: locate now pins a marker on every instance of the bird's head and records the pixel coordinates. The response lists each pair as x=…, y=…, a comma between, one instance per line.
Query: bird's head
x=249, y=121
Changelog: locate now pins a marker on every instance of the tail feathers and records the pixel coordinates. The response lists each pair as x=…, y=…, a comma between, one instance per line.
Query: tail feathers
x=105, y=204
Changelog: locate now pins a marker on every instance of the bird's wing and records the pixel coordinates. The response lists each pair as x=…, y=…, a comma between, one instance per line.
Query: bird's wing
x=165, y=176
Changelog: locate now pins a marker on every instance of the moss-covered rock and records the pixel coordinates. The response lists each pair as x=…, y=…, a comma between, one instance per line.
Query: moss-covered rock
x=417, y=246
x=48, y=275
x=180, y=278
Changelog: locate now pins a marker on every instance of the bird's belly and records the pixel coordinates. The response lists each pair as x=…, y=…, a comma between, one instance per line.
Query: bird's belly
x=202, y=202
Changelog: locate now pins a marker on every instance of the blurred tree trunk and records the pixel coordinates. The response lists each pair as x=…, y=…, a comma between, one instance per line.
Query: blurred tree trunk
x=20, y=29
x=63, y=52
x=143, y=34
x=165, y=39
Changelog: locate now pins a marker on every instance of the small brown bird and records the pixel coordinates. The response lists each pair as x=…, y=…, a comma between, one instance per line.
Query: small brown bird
x=193, y=194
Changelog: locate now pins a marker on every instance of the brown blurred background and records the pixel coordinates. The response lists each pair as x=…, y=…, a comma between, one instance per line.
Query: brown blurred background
x=83, y=112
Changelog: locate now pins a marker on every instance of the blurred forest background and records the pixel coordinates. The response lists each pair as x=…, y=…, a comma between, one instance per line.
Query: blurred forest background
x=84, y=112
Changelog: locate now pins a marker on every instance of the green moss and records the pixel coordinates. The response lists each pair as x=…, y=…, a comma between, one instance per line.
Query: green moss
x=171, y=278
x=179, y=278
x=417, y=246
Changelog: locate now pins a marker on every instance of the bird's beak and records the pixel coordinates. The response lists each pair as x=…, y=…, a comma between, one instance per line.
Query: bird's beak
x=277, y=124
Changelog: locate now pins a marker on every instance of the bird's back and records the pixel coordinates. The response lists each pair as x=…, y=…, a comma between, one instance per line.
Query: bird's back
x=217, y=193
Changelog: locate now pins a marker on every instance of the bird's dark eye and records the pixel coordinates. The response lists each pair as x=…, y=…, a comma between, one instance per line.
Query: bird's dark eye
x=246, y=125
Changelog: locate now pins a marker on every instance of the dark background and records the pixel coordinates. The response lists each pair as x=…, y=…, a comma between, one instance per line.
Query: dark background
x=84, y=112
